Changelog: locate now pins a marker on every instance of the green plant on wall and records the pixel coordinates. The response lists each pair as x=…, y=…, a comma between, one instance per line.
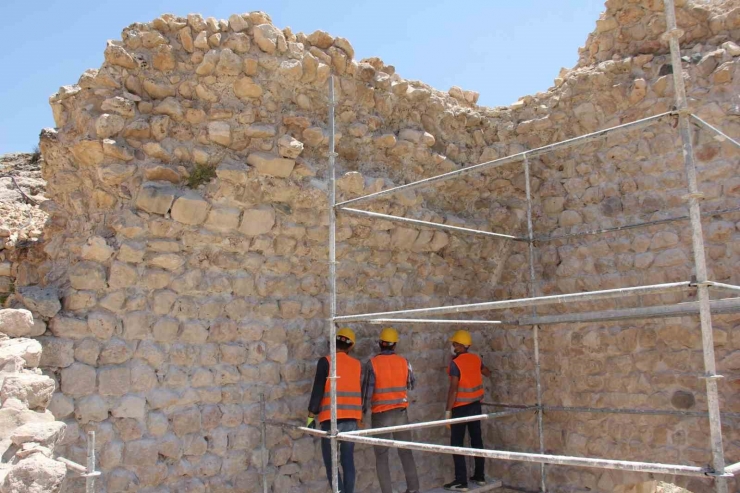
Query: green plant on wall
x=202, y=173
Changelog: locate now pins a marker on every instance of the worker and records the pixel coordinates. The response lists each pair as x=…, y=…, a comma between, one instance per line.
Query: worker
x=349, y=406
x=464, y=398
x=387, y=380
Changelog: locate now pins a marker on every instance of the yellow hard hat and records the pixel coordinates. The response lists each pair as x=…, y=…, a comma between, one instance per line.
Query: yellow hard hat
x=389, y=334
x=462, y=337
x=347, y=333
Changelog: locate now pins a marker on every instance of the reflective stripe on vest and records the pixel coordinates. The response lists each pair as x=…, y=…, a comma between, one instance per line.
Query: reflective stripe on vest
x=391, y=377
x=470, y=388
x=349, y=392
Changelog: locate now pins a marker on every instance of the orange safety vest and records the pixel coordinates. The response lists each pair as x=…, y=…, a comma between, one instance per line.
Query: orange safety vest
x=391, y=376
x=349, y=391
x=470, y=388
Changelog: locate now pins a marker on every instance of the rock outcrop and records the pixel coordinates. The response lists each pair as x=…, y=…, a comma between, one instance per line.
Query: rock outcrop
x=28, y=431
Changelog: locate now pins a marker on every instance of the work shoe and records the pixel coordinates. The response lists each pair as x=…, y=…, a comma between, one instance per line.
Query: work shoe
x=456, y=486
x=479, y=480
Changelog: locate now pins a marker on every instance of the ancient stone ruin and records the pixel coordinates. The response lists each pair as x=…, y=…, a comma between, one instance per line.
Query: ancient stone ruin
x=182, y=273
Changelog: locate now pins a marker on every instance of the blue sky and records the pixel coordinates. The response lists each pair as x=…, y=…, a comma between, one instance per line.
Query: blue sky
x=502, y=49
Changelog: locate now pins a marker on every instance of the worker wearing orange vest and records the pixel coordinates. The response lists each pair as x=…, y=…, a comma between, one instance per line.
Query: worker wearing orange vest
x=464, y=397
x=349, y=406
x=388, y=377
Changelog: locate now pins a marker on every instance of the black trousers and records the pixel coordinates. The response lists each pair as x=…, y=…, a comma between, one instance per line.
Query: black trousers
x=457, y=439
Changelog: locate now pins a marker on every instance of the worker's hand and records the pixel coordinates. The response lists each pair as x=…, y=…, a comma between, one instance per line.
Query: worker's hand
x=311, y=422
x=448, y=415
x=360, y=424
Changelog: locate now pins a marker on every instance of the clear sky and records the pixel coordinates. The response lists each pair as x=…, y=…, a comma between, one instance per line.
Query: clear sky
x=503, y=49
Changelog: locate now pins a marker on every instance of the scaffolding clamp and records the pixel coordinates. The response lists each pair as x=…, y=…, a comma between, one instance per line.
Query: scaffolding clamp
x=693, y=195
x=715, y=474
x=711, y=377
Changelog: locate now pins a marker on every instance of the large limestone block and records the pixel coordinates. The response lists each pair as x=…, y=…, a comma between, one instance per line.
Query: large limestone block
x=46, y=434
x=92, y=408
x=43, y=301
x=233, y=172
x=78, y=380
x=223, y=219
x=270, y=164
x=28, y=351
x=88, y=152
x=109, y=125
x=220, y=133
x=56, y=352
x=33, y=390
x=114, y=380
x=170, y=107
x=117, y=55
x=269, y=38
x=96, y=249
x=87, y=276
x=35, y=474
x=69, y=327
x=246, y=88
x=115, y=174
x=260, y=131
x=130, y=406
x=18, y=323
x=257, y=221
x=155, y=198
x=229, y=63
x=190, y=208
x=289, y=148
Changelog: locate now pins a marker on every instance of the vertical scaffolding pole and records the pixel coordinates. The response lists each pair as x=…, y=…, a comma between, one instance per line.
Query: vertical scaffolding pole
x=535, y=328
x=694, y=196
x=263, y=416
x=333, y=293
x=90, y=476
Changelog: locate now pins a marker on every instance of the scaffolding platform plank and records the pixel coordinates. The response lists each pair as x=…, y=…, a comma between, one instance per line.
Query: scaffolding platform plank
x=492, y=485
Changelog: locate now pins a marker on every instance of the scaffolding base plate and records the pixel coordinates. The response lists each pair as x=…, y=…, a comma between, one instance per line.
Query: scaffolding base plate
x=492, y=485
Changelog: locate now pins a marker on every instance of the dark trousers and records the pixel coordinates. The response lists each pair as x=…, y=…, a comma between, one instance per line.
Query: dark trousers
x=394, y=417
x=457, y=439
x=346, y=455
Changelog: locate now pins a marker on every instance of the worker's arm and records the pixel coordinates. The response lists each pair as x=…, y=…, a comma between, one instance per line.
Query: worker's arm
x=319, y=383
x=484, y=370
x=452, y=392
x=368, y=387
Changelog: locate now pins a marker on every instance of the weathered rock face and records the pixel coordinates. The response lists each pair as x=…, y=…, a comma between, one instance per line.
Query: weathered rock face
x=28, y=432
x=182, y=303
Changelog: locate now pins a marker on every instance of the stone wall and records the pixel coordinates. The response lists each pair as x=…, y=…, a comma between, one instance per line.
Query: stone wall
x=188, y=243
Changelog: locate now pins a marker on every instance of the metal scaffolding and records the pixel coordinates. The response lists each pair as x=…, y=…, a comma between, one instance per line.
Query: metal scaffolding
x=701, y=286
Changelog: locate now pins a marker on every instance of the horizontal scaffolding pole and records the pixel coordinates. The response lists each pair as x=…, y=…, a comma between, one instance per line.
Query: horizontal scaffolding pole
x=722, y=136
x=722, y=286
x=380, y=321
x=308, y=431
x=734, y=468
x=523, y=302
x=562, y=460
x=428, y=224
x=655, y=412
x=616, y=229
x=583, y=139
x=691, y=308
x=431, y=424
